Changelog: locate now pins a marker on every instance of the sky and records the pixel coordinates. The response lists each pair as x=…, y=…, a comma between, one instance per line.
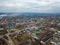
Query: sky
x=42, y=6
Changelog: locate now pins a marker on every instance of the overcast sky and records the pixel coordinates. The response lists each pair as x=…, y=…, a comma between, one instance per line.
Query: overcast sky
x=30, y=6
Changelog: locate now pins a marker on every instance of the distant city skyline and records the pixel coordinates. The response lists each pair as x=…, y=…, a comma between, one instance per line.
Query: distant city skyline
x=42, y=6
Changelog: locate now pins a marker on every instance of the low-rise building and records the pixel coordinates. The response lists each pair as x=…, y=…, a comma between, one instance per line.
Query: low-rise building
x=3, y=31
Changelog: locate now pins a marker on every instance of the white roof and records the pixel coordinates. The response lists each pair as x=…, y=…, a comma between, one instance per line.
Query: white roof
x=58, y=31
x=1, y=29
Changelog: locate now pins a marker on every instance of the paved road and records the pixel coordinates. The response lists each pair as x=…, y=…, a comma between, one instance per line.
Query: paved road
x=10, y=40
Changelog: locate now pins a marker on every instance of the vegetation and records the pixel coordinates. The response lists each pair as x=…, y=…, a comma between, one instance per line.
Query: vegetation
x=38, y=32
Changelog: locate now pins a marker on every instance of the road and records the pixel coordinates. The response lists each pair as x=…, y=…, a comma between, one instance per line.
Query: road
x=10, y=40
